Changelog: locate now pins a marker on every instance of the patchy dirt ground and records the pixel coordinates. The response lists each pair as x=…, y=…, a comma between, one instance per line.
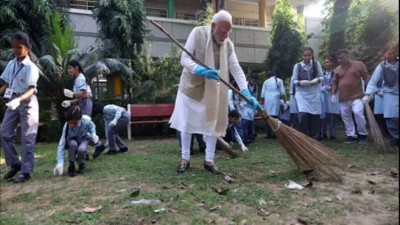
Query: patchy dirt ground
x=368, y=195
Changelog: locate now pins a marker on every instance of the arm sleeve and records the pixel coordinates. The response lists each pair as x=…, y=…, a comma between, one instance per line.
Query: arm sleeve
x=364, y=73
x=237, y=137
x=230, y=100
x=186, y=60
x=6, y=75
x=263, y=89
x=118, y=113
x=33, y=77
x=295, y=76
x=235, y=69
x=61, y=146
x=371, y=87
x=282, y=88
x=335, y=81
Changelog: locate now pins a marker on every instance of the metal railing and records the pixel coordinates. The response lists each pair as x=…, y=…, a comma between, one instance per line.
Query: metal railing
x=82, y=4
x=156, y=12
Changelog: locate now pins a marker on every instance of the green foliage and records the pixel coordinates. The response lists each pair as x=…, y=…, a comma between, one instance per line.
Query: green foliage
x=157, y=80
x=122, y=22
x=206, y=15
x=369, y=28
x=287, y=39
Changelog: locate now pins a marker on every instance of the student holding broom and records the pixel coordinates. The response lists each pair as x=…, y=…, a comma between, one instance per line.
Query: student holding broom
x=348, y=81
x=307, y=76
x=201, y=104
x=388, y=72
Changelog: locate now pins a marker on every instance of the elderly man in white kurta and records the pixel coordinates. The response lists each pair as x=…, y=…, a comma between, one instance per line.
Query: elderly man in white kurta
x=201, y=104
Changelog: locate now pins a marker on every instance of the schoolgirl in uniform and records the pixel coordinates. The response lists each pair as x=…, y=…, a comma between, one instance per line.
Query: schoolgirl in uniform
x=331, y=109
x=20, y=76
x=81, y=89
x=307, y=76
x=78, y=132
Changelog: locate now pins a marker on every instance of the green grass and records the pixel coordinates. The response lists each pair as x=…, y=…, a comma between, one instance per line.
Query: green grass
x=190, y=198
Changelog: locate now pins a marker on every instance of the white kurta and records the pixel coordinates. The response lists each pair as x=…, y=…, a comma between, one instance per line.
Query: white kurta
x=189, y=115
x=272, y=91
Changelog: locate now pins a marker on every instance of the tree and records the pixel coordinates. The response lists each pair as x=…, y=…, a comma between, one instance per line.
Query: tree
x=122, y=25
x=337, y=25
x=287, y=39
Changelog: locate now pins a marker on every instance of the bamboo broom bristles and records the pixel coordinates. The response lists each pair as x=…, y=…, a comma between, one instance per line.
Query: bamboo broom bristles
x=378, y=138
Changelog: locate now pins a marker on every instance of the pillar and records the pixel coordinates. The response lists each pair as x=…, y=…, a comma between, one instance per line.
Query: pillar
x=171, y=8
x=262, y=13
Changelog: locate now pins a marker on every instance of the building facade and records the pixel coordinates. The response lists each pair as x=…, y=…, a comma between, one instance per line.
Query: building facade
x=250, y=33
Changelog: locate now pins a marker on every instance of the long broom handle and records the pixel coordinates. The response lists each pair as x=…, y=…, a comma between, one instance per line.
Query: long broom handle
x=204, y=65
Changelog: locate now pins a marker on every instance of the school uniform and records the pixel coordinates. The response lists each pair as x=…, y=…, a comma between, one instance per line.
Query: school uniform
x=111, y=112
x=331, y=110
x=272, y=91
x=247, y=122
x=20, y=76
x=294, y=117
x=78, y=139
x=253, y=89
x=389, y=73
x=308, y=99
x=85, y=104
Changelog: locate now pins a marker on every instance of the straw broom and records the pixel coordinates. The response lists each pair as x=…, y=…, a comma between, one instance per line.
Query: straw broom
x=378, y=138
x=308, y=154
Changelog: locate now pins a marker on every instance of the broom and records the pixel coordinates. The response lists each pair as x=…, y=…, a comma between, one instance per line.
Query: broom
x=308, y=154
x=378, y=138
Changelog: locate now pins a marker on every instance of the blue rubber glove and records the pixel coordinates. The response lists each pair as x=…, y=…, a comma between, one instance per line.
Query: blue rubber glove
x=253, y=100
x=203, y=72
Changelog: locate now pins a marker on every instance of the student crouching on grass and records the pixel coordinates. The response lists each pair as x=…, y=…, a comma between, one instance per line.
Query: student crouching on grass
x=77, y=133
x=116, y=119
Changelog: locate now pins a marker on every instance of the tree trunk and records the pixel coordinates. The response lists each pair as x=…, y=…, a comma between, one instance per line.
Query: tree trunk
x=337, y=26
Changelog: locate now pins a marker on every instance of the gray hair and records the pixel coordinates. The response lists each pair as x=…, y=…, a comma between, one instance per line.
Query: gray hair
x=222, y=15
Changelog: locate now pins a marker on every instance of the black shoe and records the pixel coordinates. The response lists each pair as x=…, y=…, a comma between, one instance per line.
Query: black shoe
x=350, y=139
x=13, y=171
x=333, y=138
x=394, y=142
x=71, y=169
x=82, y=168
x=98, y=150
x=362, y=139
x=111, y=152
x=183, y=167
x=22, y=177
x=212, y=168
x=324, y=137
x=122, y=150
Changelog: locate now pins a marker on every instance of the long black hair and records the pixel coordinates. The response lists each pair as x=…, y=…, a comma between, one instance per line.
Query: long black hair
x=76, y=63
x=314, y=71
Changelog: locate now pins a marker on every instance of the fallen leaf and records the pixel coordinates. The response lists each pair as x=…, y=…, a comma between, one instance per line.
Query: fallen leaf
x=160, y=210
x=264, y=212
x=375, y=173
x=228, y=178
x=92, y=210
x=221, y=191
x=371, y=182
x=135, y=193
x=302, y=221
x=242, y=222
x=309, y=184
x=120, y=191
x=262, y=202
x=356, y=191
x=339, y=197
x=328, y=199
x=215, y=208
x=351, y=166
